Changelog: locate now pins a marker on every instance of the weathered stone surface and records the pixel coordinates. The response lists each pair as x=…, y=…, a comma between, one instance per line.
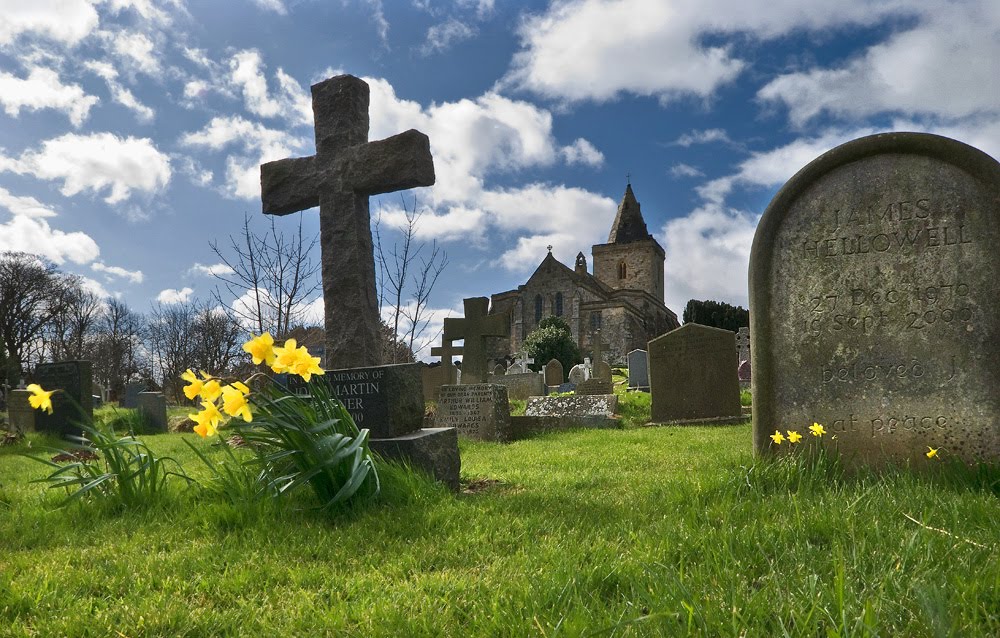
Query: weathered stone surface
x=743, y=344
x=434, y=450
x=71, y=407
x=638, y=370
x=554, y=373
x=434, y=377
x=577, y=374
x=388, y=400
x=744, y=374
x=478, y=411
x=573, y=406
x=692, y=374
x=875, y=301
x=132, y=390
x=522, y=385
x=345, y=170
x=20, y=412
x=522, y=427
x=602, y=371
x=594, y=387
x=153, y=406
x=475, y=328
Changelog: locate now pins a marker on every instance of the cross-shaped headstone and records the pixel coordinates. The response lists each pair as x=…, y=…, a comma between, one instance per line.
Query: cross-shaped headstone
x=339, y=178
x=522, y=361
x=475, y=327
x=588, y=369
x=446, y=351
x=595, y=339
x=743, y=344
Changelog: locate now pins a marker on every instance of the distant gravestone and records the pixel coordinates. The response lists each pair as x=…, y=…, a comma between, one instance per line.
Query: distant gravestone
x=433, y=378
x=153, y=406
x=20, y=412
x=475, y=328
x=602, y=371
x=522, y=362
x=692, y=375
x=638, y=370
x=73, y=405
x=520, y=385
x=132, y=391
x=479, y=411
x=577, y=374
x=743, y=344
x=566, y=387
x=875, y=301
x=597, y=405
x=499, y=370
x=554, y=373
x=594, y=386
x=744, y=374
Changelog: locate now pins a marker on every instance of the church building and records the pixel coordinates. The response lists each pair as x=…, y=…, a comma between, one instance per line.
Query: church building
x=623, y=297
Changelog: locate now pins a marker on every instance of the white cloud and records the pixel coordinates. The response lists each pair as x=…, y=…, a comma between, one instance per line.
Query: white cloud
x=35, y=236
x=43, y=89
x=685, y=170
x=272, y=5
x=136, y=50
x=173, y=296
x=119, y=93
x=65, y=21
x=96, y=162
x=441, y=37
x=596, y=49
x=24, y=205
x=703, y=137
x=97, y=288
x=582, y=152
x=135, y=276
x=211, y=270
x=291, y=101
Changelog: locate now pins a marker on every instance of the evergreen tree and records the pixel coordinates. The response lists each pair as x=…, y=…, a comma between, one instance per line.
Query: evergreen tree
x=553, y=339
x=717, y=314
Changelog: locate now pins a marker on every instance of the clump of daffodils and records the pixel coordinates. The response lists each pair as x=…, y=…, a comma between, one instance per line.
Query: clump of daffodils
x=817, y=430
x=288, y=359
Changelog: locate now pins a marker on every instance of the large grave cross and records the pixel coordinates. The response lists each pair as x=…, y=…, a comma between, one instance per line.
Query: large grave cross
x=446, y=351
x=599, y=347
x=339, y=178
x=474, y=328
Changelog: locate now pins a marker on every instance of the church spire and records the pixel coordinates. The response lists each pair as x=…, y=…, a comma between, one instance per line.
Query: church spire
x=629, y=225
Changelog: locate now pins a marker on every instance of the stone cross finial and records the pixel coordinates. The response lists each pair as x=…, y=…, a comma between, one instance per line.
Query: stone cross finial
x=446, y=351
x=743, y=344
x=339, y=178
x=549, y=247
x=523, y=360
x=474, y=328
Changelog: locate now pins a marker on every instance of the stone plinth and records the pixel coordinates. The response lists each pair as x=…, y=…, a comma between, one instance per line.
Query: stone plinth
x=479, y=411
x=433, y=450
x=573, y=406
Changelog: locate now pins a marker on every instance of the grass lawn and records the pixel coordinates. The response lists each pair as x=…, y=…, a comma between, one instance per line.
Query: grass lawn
x=641, y=531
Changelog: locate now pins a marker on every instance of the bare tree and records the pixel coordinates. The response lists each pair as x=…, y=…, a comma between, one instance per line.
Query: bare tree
x=273, y=278
x=171, y=344
x=32, y=292
x=217, y=340
x=407, y=276
x=72, y=332
x=118, y=346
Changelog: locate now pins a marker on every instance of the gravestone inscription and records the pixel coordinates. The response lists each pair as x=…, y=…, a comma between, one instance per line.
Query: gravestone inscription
x=73, y=404
x=875, y=301
x=692, y=375
x=480, y=411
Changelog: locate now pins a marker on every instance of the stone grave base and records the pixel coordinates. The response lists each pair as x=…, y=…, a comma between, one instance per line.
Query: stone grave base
x=719, y=420
x=433, y=450
x=575, y=406
x=522, y=427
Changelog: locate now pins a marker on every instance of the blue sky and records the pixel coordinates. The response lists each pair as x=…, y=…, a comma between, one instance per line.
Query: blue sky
x=131, y=130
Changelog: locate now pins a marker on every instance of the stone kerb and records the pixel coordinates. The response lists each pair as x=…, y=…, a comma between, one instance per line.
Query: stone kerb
x=573, y=406
x=875, y=301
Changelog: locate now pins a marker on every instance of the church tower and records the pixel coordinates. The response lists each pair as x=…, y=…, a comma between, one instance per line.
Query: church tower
x=632, y=259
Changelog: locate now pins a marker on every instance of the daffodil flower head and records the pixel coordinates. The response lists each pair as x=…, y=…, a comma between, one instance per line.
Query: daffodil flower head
x=793, y=436
x=211, y=389
x=777, y=437
x=261, y=349
x=932, y=452
x=40, y=399
x=234, y=401
x=816, y=429
x=194, y=386
x=207, y=420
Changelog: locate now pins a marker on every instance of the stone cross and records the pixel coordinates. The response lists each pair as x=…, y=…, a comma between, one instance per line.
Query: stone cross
x=523, y=360
x=446, y=351
x=588, y=369
x=599, y=347
x=743, y=344
x=339, y=178
x=474, y=328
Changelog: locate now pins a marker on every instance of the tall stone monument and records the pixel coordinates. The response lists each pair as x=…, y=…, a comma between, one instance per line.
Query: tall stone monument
x=339, y=178
x=475, y=328
x=875, y=301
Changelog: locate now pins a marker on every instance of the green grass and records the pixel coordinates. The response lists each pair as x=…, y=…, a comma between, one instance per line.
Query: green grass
x=635, y=532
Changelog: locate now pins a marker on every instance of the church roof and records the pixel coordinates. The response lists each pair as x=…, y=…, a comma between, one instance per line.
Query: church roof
x=629, y=225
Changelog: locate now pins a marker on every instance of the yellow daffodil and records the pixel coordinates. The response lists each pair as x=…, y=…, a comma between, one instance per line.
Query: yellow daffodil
x=816, y=429
x=211, y=388
x=308, y=366
x=40, y=399
x=193, y=388
x=234, y=401
x=284, y=357
x=931, y=452
x=208, y=419
x=261, y=349
x=294, y=359
x=794, y=437
x=777, y=437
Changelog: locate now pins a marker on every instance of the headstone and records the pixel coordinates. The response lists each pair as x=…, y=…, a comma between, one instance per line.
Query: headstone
x=339, y=178
x=153, y=406
x=638, y=370
x=475, y=328
x=577, y=374
x=387, y=400
x=588, y=368
x=594, y=386
x=132, y=391
x=479, y=411
x=600, y=369
x=522, y=361
x=520, y=385
x=435, y=376
x=71, y=407
x=692, y=375
x=566, y=387
x=744, y=374
x=499, y=370
x=875, y=301
x=554, y=373
x=743, y=344
x=596, y=405
x=20, y=412
x=447, y=352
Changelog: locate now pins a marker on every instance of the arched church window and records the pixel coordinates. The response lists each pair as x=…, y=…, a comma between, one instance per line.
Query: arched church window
x=559, y=304
x=622, y=270
x=538, y=308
